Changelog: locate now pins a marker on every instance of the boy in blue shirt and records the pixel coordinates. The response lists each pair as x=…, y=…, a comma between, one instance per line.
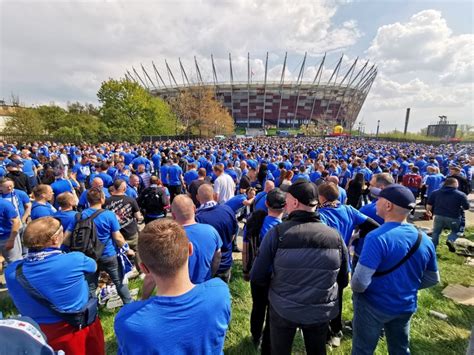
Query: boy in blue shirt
x=41, y=206
x=182, y=318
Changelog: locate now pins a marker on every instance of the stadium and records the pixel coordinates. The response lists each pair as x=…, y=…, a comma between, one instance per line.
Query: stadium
x=333, y=100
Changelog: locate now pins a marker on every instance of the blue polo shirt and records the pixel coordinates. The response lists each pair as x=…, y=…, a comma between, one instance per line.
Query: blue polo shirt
x=39, y=210
x=66, y=217
x=60, y=278
x=192, y=323
x=222, y=218
x=174, y=173
x=7, y=213
x=106, y=223
x=19, y=199
x=190, y=176
x=343, y=218
x=384, y=247
x=206, y=242
x=236, y=202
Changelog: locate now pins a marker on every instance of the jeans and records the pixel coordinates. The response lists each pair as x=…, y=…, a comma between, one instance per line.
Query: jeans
x=442, y=222
x=174, y=190
x=257, y=317
x=282, y=333
x=111, y=266
x=367, y=326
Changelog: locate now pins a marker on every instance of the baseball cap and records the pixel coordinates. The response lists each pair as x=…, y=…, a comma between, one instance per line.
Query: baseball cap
x=12, y=164
x=305, y=192
x=276, y=199
x=398, y=195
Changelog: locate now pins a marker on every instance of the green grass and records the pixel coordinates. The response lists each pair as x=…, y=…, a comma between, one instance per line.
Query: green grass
x=429, y=335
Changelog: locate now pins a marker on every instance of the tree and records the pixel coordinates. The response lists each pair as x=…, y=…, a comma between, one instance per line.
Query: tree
x=129, y=111
x=25, y=122
x=200, y=113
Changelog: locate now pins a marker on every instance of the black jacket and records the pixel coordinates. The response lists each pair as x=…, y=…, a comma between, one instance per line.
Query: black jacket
x=309, y=260
x=21, y=180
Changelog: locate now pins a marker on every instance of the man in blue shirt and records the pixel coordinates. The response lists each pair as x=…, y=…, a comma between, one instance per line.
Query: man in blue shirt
x=96, y=183
x=108, y=232
x=175, y=179
x=183, y=318
x=447, y=205
x=19, y=199
x=41, y=206
x=191, y=174
x=387, y=278
x=223, y=219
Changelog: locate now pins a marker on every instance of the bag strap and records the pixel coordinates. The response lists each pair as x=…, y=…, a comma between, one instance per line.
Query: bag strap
x=34, y=293
x=412, y=251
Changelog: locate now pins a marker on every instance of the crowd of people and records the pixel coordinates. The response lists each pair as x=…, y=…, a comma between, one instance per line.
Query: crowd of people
x=318, y=215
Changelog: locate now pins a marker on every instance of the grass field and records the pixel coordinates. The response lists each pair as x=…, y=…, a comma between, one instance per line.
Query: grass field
x=429, y=335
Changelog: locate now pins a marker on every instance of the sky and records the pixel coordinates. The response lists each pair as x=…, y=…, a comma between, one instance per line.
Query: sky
x=61, y=51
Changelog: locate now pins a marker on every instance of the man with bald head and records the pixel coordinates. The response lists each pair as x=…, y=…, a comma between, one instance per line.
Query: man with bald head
x=261, y=197
x=96, y=183
x=222, y=218
x=342, y=193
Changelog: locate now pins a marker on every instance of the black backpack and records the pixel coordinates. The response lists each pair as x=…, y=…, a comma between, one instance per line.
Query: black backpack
x=253, y=227
x=153, y=200
x=84, y=237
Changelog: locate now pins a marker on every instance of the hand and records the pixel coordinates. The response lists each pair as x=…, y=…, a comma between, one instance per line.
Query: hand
x=130, y=252
x=9, y=244
x=246, y=276
x=429, y=214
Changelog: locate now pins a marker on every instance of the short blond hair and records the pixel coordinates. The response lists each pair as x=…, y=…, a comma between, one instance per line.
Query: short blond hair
x=38, y=233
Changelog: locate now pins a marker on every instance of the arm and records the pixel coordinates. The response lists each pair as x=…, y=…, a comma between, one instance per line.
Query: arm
x=216, y=261
x=13, y=233
x=367, y=226
x=362, y=278
x=27, y=207
x=119, y=239
x=148, y=286
x=429, y=210
x=429, y=279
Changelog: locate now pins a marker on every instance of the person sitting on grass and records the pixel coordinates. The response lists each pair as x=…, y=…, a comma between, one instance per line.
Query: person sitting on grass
x=182, y=318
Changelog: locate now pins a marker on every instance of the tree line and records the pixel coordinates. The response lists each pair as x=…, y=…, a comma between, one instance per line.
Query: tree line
x=126, y=112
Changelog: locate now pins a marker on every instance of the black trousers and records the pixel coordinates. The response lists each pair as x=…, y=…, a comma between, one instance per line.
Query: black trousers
x=282, y=333
x=335, y=325
x=174, y=191
x=260, y=310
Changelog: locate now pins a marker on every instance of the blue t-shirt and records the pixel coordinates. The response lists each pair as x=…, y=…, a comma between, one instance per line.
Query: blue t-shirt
x=342, y=195
x=81, y=171
x=39, y=210
x=28, y=167
x=164, y=174
x=67, y=218
x=434, y=182
x=370, y=211
x=7, y=213
x=343, y=218
x=222, y=218
x=60, y=278
x=260, y=200
x=236, y=202
x=192, y=323
x=19, y=199
x=106, y=223
x=268, y=223
x=384, y=247
x=106, y=179
x=206, y=242
x=190, y=176
x=174, y=173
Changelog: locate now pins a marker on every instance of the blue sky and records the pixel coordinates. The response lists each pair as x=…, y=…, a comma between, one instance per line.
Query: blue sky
x=60, y=51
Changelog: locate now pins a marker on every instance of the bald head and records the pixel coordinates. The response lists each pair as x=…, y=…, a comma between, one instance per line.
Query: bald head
x=97, y=182
x=205, y=193
x=182, y=209
x=269, y=186
x=333, y=179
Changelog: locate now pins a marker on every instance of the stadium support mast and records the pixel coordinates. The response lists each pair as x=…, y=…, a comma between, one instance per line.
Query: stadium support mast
x=170, y=74
x=248, y=90
x=184, y=76
x=231, y=85
x=198, y=72
x=265, y=91
x=139, y=78
x=365, y=91
x=147, y=76
x=131, y=77
x=282, y=81
x=157, y=73
x=333, y=75
x=317, y=77
x=298, y=85
x=349, y=73
x=214, y=74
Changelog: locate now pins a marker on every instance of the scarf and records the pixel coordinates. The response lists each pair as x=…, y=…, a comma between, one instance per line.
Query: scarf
x=41, y=254
x=207, y=204
x=330, y=204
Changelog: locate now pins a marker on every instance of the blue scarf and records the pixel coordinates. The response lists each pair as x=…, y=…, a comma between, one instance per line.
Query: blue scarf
x=207, y=204
x=41, y=254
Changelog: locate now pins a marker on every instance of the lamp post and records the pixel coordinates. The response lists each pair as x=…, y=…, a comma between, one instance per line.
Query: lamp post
x=378, y=127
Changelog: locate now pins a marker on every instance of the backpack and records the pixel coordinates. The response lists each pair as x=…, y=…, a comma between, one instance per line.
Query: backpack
x=253, y=227
x=84, y=237
x=412, y=181
x=153, y=200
